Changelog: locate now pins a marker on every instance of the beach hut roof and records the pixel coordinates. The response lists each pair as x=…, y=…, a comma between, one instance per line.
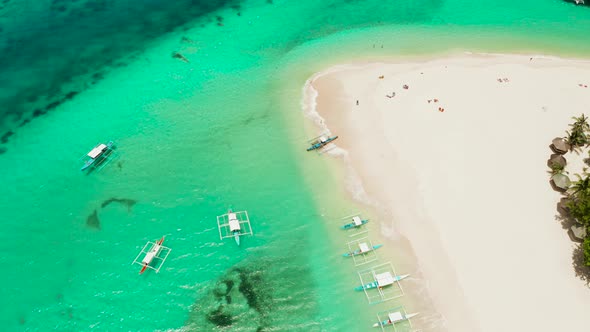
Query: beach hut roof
x=560, y=145
x=579, y=232
x=561, y=181
x=558, y=159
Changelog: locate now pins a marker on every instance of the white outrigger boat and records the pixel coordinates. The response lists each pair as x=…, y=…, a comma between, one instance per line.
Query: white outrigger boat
x=355, y=223
x=382, y=280
x=234, y=224
x=156, y=252
x=394, y=316
x=320, y=141
x=362, y=250
x=100, y=155
x=380, y=283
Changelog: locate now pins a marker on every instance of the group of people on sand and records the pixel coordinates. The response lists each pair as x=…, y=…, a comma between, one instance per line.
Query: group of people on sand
x=440, y=109
x=405, y=87
x=505, y=80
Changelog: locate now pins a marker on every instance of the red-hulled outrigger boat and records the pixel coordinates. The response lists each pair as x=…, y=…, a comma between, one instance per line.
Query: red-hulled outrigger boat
x=156, y=252
x=151, y=254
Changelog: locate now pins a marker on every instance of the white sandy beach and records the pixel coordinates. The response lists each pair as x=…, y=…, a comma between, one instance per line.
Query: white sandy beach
x=468, y=187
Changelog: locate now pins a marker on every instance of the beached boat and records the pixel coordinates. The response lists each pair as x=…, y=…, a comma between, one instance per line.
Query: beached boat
x=234, y=224
x=356, y=222
x=381, y=280
x=99, y=154
x=363, y=249
x=320, y=141
x=156, y=251
x=395, y=317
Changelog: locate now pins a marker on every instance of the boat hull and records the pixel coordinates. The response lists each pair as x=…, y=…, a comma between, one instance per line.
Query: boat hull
x=100, y=159
x=155, y=249
x=87, y=164
x=358, y=251
x=353, y=225
x=374, y=284
x=388, y=322
x=319, y=145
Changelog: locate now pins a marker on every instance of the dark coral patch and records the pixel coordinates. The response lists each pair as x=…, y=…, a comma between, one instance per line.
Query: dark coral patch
x=71, y=95
x=24, y=122
x=6, y=135
x=53, y=105
x=219, y=317
x=37, y=113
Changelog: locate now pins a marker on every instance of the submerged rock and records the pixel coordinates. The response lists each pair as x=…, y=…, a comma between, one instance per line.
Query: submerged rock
x=177, y=55
x=92, y=221
x=125, y=201
x=219, y=317
x=242, y=292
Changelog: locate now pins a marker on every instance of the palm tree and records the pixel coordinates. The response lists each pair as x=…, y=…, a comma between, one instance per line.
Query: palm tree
x=581, y=186
x=581, y=121
x=576, y=138
x=577, y=135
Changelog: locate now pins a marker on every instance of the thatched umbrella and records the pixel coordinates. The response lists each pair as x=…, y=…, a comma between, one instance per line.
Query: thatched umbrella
x=561, y=181
x=579, y=232
x=557, y=159
x=560, y=145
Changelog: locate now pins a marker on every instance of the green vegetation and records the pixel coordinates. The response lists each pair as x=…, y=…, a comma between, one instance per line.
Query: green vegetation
x=577, y=136
x=579, y=193
x=586, y=249
x=556, y=168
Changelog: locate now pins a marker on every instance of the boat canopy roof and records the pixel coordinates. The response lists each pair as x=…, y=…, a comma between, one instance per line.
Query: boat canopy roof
x=149, y=257
x=395, y=316
x=357, y=221
x=384, y=279
x=97, y=151
x=234, y=225
x=323, y=139
x=364, y=247
x=232, y=216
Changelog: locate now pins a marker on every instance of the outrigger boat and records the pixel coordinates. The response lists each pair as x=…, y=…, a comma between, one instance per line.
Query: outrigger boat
x=234, y=224
x=356, y=222
x=380, y=283
x=100, y=153
x=395, y=317
x=320, y=141
x=156, y=252
x=151, y=254
x=382, y=280
x=363, y=249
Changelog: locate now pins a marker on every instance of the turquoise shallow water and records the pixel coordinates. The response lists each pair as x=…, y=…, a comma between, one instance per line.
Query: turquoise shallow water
x=223, y=130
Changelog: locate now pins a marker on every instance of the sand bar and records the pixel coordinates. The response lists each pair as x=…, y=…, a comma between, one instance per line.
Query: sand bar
x=465, y=178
